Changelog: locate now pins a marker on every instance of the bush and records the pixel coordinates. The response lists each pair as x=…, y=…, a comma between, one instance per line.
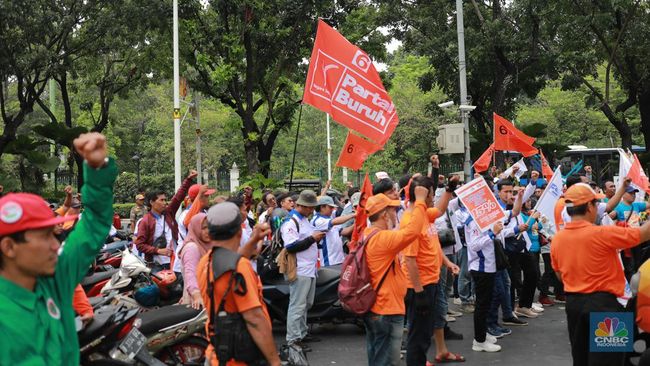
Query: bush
x=126, y=185
x=123, y=209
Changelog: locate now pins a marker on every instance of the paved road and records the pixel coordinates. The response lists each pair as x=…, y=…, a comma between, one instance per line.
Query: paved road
x=543, y=342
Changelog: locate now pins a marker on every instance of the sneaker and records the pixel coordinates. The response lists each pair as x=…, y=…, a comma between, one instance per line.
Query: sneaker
x=561, y=299
x=485, y=347
x=525, y=312
x=537, y=307
x=546, y=301
x=457, y=301
x=504, y=331
x=302, y=346
x=490, y=338
x=450, y=319
x=454, y=313
x=495, y=333
x=452, y=336
x=468, y=308
x=514, y=321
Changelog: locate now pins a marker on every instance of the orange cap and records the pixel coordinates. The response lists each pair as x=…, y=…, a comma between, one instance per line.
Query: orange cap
x=379, y=202
x=579, y=194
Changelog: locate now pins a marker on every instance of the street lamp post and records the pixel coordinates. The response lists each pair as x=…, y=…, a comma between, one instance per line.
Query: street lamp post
x=462, y=70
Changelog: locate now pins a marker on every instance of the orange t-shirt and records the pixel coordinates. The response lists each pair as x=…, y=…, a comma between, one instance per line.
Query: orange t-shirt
x=586, y=256
x=381, y=253
x=234, y=303
x=426, y=249
x=80, y=302
x=559, y=207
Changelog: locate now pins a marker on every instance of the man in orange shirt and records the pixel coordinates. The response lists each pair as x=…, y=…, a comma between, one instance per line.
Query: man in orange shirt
x=224, y=225
x=422, y=262
x=385, y=321
x=586, y=257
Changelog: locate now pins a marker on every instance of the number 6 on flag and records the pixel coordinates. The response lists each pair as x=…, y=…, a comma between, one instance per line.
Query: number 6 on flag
x=355, y=151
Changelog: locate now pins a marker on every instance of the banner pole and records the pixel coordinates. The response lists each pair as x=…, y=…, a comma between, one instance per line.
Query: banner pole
x=329, y=150
x=295, y=147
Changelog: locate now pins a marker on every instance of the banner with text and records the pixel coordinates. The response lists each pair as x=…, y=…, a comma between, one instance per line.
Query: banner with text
x=343, y=82
x=481, y=203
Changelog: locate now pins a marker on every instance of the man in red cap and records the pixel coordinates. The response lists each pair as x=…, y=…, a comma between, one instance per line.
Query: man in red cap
x=37, y=326
x=586, y=257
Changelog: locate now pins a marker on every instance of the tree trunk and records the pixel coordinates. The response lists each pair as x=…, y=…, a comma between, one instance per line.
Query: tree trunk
x=644, y=110
x=620, y=124
x=264, y=156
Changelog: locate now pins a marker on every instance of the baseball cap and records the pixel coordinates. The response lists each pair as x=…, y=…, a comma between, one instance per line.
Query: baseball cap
x=139, y=197
x=379, y=202
x=307, y=198
x=326, y=201
x=224, y=220
x=631, y=189
x=194, y=191
x=382, y=175
x=579, y=194
x=75, y=203
x=26, y=211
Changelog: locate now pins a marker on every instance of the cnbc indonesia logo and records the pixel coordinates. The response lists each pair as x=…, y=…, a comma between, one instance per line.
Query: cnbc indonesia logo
x=611, y=333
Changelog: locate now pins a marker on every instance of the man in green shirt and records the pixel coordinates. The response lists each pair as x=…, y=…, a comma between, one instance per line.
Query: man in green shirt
x=37, y=325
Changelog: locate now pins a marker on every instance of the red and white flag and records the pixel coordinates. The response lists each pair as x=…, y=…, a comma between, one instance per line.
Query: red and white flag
x=343, y=82
x=638, y=176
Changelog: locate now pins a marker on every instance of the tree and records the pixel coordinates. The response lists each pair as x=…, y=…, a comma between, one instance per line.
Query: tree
x=249, y=55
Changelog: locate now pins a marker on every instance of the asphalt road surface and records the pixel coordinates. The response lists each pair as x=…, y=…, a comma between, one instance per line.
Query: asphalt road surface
x=545, y=341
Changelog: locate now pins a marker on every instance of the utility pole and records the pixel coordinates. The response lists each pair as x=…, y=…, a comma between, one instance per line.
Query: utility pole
x=197, y=118
x=53, y=146
x=462, y=68
x=177, y=106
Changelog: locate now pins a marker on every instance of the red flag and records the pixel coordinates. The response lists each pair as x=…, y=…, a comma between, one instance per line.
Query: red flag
x=483, y=162
x=547, y=172
x=361, y=218
x=343, y=82
x=355, y=151
x=508, y=137
x=638, y=176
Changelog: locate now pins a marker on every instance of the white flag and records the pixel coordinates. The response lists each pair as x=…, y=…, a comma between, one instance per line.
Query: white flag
x=520, y=172
x=624, y=165
x=546, y=204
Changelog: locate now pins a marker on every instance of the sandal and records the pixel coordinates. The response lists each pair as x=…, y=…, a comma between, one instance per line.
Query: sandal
x=450, y=357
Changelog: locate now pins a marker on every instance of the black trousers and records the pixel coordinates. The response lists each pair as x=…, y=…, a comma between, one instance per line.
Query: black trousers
x=522, y=262
x=420, y=327
x=484, y=283
x=549, y=278
x=578, y=308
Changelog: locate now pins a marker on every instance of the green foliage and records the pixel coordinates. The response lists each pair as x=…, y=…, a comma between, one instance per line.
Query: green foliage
x=123, y=209
x=259, y=183
x=126, y=185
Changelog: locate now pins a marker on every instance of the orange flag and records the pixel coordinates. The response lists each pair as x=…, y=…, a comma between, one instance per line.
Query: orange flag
x=547, y=172
x=638, y=176
x=355, y=151
x=508, y=137
x=361, y=219
x=483, y=162
x=343, y=82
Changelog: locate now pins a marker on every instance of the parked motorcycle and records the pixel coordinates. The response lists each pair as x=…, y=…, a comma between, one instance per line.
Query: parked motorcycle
x=327, y=307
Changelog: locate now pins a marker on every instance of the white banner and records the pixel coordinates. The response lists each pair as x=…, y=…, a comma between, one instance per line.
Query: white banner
x=520, y=172
x=546, y=204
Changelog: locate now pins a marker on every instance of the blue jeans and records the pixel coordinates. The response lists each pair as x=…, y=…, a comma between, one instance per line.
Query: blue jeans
x=500, y=297
x=383, y=338
x=301, y=298
x=465, y=282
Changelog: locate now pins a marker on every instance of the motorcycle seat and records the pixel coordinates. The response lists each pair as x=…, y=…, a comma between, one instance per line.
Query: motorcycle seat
x=95, y=327
x=157, y=319
x=117, y=246
x=90, y=281
x=328, y=274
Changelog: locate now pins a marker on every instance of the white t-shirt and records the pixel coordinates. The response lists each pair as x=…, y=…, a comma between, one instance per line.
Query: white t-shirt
x=290, y=234
x=160, y=224
x=331, y=251
x=247, y=232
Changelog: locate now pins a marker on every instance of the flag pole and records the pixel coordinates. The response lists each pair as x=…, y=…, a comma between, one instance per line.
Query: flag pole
x=329, y=150
x=295, y=147
x=177, y=107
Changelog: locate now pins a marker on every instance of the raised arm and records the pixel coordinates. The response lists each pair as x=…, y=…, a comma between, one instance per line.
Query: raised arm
x=178, y=198
x=614, y=201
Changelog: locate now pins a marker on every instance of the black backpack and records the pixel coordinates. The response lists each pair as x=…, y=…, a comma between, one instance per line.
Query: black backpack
x=228, y=332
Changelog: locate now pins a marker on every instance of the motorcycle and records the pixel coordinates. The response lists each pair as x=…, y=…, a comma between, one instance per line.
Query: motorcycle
x=327, y=306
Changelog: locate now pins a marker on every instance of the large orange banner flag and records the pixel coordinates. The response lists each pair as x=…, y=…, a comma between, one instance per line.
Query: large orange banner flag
x=355, y=151
x=343, y=82
x=483, y=162
x=508, y=137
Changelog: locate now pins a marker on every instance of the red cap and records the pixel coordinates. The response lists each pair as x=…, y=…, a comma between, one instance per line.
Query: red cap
x=26, y=211
x=194, y=191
